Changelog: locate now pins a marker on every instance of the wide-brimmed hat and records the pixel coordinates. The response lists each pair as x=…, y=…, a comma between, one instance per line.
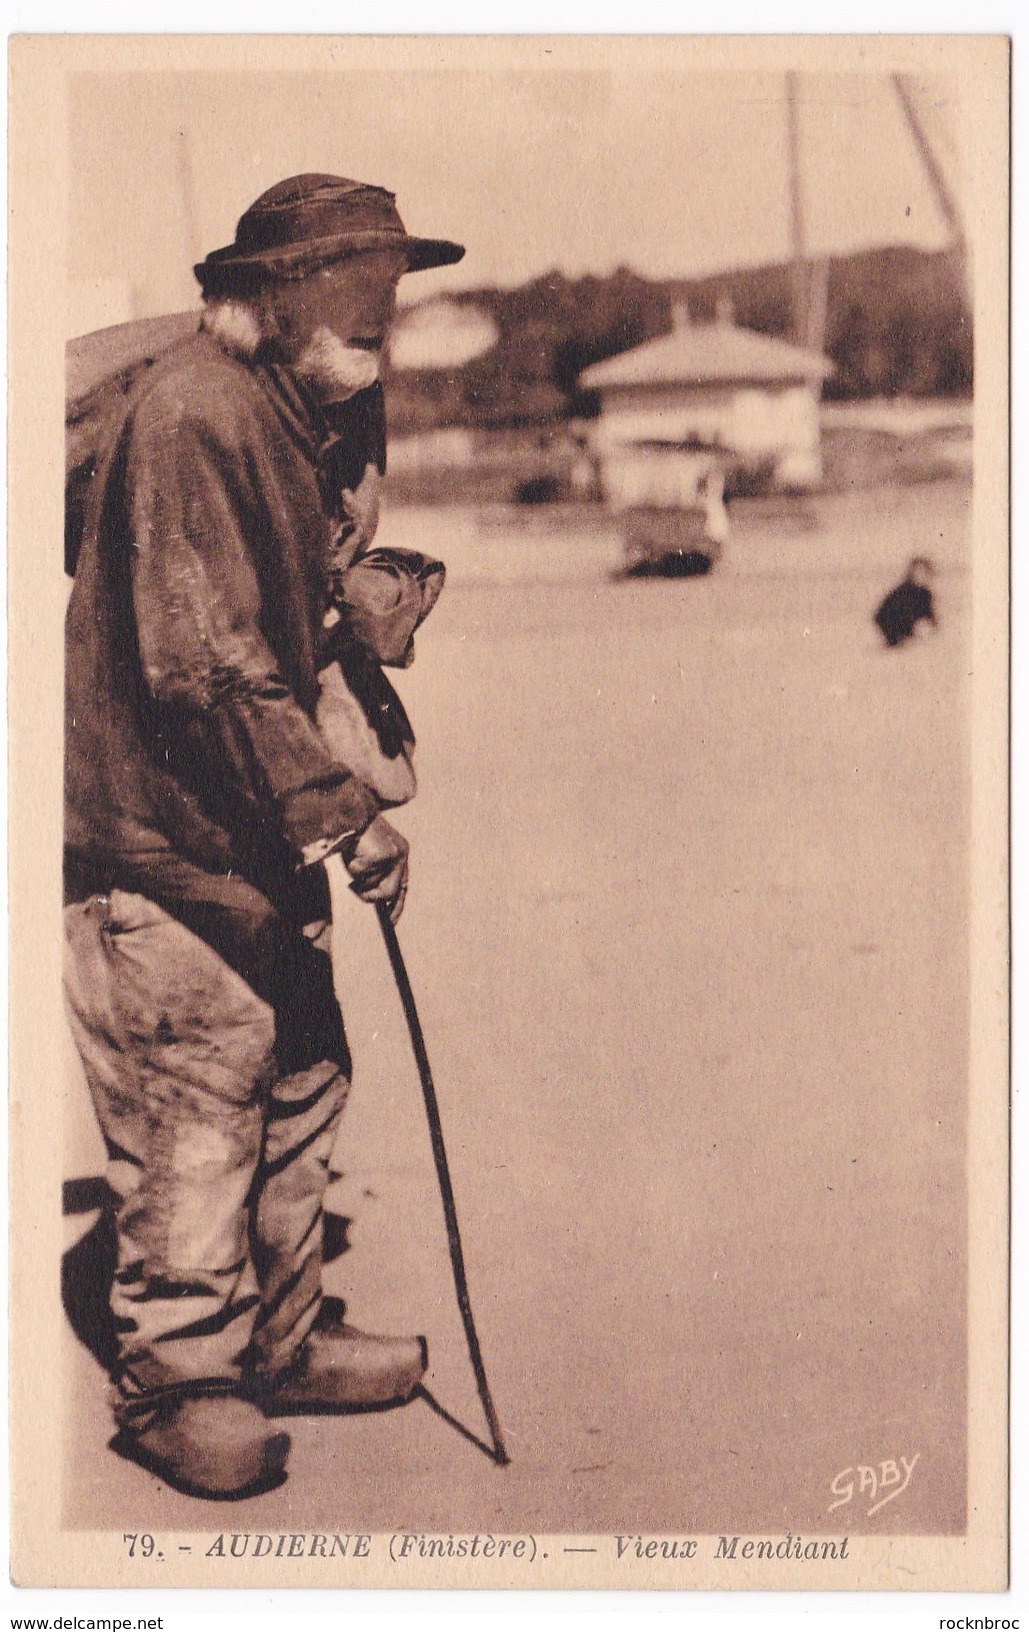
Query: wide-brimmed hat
x=308, y=221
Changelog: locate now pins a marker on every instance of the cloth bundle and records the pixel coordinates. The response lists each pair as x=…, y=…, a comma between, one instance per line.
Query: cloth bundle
x=378, y=604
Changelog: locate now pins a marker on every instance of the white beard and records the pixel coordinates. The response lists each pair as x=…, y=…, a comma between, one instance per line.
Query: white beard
x=334, y=369
x=234, y=323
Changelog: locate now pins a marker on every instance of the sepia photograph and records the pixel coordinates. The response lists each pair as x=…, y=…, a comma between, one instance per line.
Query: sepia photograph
x=509, y=812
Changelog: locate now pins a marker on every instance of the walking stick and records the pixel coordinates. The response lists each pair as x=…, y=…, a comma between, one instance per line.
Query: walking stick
x=396, y=959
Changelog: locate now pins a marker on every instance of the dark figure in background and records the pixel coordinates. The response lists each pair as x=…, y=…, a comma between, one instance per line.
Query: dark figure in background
x=909, y=604
x=203, y=796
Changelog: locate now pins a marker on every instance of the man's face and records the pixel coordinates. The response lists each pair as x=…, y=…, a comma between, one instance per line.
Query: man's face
x=331, y=325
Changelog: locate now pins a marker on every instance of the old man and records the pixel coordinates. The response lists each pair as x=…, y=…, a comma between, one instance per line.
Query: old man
x=235, y=495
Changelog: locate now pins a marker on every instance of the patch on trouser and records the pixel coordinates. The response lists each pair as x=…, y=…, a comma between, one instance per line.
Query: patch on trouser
x=179, y=1054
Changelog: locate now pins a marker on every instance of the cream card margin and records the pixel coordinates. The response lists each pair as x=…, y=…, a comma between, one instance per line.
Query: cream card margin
x=43, y=1554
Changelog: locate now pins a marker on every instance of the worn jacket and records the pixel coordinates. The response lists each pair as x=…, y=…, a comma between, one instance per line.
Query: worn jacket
x=195, y=773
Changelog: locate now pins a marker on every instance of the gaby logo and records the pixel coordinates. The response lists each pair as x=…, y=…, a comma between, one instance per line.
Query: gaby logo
x=877, y=1483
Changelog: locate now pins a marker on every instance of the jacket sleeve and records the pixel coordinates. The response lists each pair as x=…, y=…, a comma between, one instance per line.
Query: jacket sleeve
x=195, y=517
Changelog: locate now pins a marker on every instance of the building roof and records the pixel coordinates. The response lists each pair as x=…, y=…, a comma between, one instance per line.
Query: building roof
x=706, y=354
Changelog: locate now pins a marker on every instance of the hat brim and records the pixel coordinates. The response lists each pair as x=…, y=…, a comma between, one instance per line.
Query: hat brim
x=298, y=259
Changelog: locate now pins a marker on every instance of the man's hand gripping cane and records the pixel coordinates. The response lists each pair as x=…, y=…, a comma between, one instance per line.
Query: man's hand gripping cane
x=378, y=866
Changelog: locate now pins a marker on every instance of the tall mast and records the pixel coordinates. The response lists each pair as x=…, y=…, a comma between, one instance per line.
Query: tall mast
x=943, y=193
x=798, y=266
x=187, y=191
x=809, y=274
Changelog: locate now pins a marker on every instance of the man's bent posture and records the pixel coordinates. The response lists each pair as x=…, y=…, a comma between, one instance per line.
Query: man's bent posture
x=201, y=800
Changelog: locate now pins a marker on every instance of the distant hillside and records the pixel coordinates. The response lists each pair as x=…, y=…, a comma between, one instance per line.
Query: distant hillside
x=896, y=326
x=896, y=323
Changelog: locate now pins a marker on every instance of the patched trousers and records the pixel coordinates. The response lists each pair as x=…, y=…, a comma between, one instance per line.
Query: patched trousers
x=218, y=1160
